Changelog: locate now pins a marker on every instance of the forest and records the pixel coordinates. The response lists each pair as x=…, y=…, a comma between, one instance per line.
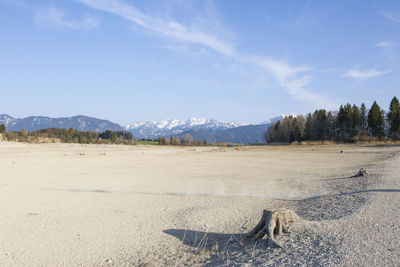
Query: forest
x=349, y=124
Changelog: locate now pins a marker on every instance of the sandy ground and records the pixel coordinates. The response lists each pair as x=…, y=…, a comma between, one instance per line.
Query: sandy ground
x=100, y=205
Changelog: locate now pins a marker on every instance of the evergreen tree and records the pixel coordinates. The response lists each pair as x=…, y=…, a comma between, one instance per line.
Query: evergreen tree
x=2, y=129
x=363, y=119
x=331, y=134
x=296, y=132
x=344, y=119
x=350, y=124
x=394, y=118
x=356, y=120
x=308, y=131
x=376, y=121
x=320, y=125
x=277, y=132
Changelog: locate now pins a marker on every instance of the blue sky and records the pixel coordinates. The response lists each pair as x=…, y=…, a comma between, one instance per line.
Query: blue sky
x=246, y=61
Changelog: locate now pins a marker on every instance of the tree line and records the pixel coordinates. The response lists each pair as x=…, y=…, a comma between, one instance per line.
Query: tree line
x=350, y=124
x=69, y=136
x=88, y=137
x=185, y=140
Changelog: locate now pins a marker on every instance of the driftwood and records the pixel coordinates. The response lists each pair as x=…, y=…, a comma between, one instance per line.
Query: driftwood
x=361, y=173
x=273, y=223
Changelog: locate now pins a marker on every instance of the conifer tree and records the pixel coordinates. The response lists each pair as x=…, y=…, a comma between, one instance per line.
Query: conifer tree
x=356, y=120
x=363, y=119
x=321, y=124
x=308, y=129
x=331, y=126
x=394, y=118
x=344, y=119
x=277, y=131
x=376, y=121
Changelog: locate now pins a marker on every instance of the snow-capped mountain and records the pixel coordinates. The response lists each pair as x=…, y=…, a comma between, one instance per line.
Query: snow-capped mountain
x=200, y=128
x=7, y=120
x=170, y=127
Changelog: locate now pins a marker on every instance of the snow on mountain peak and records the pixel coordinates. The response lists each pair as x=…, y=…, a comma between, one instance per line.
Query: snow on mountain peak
x=169, y=127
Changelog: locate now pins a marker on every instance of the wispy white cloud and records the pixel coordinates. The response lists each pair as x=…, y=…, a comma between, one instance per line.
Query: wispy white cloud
x=386, y=44
x=394, y=17
x=55, y=17
x=284, y=72
x=171, y=29
x=356, y=73
x=292, y=79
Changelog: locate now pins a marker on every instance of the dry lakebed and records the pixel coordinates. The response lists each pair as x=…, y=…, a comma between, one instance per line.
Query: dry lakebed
x=120, y=205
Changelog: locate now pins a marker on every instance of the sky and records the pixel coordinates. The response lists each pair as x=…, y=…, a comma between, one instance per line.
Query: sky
x=232, y=60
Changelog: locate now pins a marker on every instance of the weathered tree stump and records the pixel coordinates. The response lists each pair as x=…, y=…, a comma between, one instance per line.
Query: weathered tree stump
x=361, y=173
x=273, y=223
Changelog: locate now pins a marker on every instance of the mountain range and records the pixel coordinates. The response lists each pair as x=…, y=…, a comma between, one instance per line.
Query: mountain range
x=200, y=128
x=80, y=122
x=173, y=127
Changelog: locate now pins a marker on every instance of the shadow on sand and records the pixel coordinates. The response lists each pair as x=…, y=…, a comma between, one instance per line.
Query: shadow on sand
x=206, y=240
x=217, y=249
x=334, y=206
x=235, y=249
x=324, y=207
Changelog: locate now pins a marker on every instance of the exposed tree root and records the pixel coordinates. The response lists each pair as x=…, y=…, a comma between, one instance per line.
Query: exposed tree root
x=273, y=222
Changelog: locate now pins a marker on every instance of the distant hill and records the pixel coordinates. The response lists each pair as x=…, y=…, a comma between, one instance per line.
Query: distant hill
x=81, y=123
x=242, y=134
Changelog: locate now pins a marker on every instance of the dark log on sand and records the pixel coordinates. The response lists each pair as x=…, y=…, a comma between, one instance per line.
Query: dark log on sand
x=361, y=173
